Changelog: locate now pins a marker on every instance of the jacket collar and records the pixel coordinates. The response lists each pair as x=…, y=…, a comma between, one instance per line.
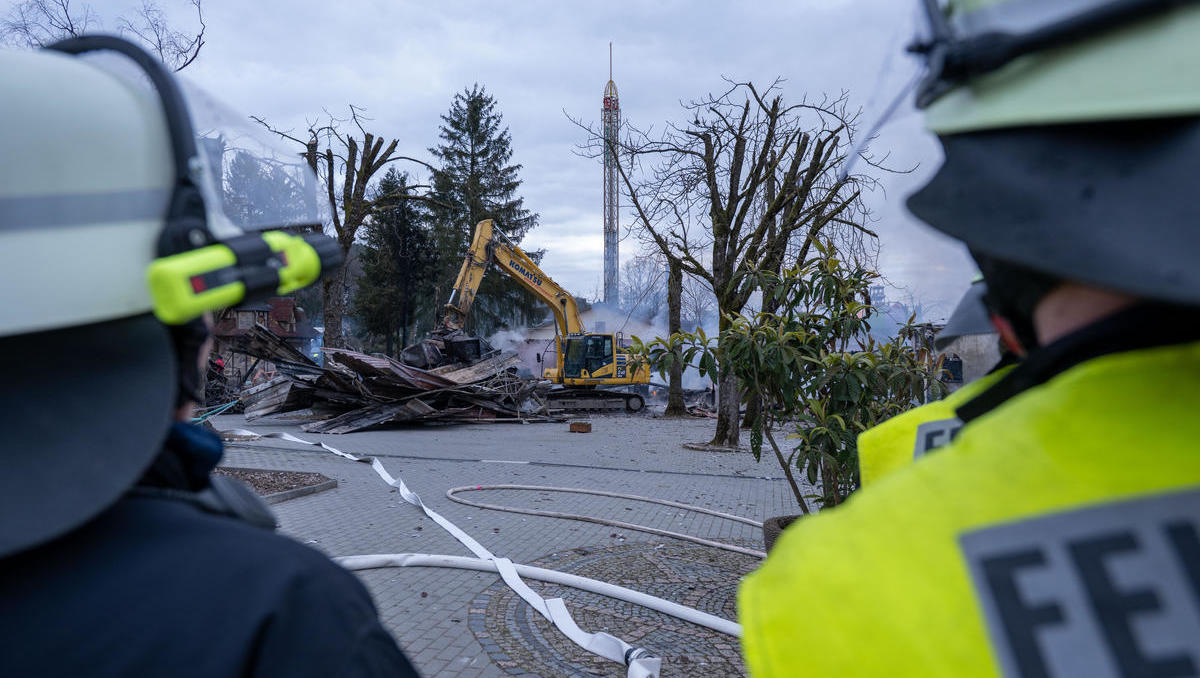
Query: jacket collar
x=1141, y=327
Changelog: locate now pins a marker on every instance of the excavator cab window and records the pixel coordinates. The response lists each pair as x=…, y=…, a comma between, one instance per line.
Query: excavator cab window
x=599, y=351
x=574, y=357
x=591, y=353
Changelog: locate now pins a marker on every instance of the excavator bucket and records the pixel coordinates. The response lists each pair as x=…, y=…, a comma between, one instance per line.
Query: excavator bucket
x=468, y=349
x=424, y=354
x=447, y=349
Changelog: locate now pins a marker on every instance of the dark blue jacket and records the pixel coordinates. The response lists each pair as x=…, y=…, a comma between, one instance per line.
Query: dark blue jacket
x=160, y=587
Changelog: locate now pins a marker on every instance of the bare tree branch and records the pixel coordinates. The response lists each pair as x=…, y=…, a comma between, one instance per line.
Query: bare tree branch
x=37, y=23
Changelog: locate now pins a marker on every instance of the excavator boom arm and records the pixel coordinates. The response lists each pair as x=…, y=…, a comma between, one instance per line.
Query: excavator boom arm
x=490, y=244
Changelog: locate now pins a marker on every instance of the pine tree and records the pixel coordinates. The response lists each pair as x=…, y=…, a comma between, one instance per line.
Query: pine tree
x=477, y=181
x=255, y=194
x=397, y=264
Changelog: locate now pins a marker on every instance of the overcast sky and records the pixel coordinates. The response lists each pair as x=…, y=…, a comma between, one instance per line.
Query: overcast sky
x=286, y=60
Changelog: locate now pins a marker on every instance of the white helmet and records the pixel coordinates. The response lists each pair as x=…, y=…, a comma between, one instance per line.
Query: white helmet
x=109, y=212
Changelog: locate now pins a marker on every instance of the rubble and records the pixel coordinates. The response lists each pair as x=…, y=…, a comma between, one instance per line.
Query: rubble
x=355, y=391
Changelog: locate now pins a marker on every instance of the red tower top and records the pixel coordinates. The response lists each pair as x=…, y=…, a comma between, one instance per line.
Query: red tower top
x=610, y=96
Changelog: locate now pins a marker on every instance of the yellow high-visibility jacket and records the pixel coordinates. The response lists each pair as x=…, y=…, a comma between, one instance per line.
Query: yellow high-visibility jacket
x=1058, y=535
x=894, y=444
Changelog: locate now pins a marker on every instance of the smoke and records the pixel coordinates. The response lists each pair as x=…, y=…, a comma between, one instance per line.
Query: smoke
x=648, y=330
x=508, y=341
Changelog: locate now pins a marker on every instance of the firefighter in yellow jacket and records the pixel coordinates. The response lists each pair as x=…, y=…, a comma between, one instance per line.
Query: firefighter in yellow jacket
x=908, y=436
x=1059, y=533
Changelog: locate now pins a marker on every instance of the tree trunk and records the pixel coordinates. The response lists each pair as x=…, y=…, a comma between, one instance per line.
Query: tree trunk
x=786, y=465
x=728, y=407
x=769, y=305
x=829, y=485
x=753, y=411
x=675, y=407
x=335, y=307
x=404, y=313
x=729, y=402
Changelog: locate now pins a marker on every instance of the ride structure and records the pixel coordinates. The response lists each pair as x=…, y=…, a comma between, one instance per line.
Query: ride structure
x=611, y=117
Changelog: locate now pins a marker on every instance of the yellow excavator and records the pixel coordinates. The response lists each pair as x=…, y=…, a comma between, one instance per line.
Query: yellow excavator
x=585, y=361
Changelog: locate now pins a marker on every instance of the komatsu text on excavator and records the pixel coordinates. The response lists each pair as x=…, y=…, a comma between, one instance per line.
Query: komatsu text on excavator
x=585, y=360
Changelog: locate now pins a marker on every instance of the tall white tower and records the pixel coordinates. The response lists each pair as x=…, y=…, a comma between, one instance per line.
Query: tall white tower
x=612, y=127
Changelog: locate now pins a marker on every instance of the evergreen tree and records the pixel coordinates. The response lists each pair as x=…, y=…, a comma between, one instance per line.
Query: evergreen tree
x=477, y=181
x=396, y=284
x=255, y=194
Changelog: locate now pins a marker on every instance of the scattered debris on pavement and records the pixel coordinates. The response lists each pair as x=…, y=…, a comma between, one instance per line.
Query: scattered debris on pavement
x=267, y=482
x=355, y=391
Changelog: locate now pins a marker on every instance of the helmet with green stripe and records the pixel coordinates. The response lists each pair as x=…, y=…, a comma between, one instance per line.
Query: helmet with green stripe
x=129, y=206
x=1071, y=137
x=996, y=64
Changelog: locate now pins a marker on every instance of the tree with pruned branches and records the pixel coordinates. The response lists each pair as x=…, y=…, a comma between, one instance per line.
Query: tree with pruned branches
x=37, y=23
x=699, y=191
x=346, y=164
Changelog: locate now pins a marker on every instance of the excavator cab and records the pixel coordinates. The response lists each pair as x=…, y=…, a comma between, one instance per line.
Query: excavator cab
x=588, y=354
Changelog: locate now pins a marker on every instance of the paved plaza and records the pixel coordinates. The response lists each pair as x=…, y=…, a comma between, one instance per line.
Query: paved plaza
x=461, y=623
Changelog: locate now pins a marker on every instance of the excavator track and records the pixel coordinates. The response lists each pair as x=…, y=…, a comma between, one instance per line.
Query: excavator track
x=594, y=400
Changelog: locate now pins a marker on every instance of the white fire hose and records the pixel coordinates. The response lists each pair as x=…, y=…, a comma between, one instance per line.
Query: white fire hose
x=638, y=660
x=596, y=586
x=453, y=492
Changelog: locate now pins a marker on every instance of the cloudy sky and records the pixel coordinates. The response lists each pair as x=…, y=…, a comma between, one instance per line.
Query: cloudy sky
x=287, y=60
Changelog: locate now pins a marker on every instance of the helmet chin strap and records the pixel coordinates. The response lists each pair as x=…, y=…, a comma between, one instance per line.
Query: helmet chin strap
x=1013, y=292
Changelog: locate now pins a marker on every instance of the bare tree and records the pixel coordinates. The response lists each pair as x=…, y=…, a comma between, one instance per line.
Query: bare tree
x=346, y=164
x=697, y=190
x=697, y=303
x=642, y=293
x=177, y=49
x=37, y=23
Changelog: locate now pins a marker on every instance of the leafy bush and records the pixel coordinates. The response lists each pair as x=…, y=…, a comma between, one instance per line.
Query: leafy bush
x=815, y=367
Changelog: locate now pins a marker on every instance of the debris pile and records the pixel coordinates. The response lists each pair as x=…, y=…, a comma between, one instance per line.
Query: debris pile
x=355, y=391
x=701, y=402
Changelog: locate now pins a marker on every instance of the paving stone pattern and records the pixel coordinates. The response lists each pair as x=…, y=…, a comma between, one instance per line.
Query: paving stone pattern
x=429, y=610
x=520, y=641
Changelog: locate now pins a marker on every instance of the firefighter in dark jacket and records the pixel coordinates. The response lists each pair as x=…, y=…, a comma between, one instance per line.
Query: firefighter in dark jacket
x=120, y=555
x=1058, y=535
